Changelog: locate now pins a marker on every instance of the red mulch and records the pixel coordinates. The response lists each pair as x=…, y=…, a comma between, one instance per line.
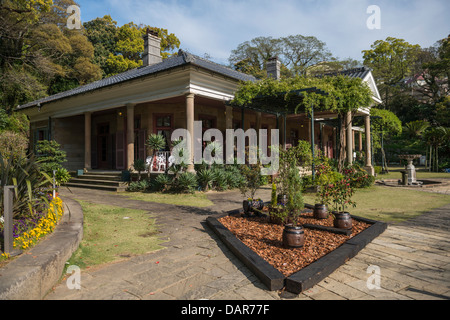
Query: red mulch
x=265, y=239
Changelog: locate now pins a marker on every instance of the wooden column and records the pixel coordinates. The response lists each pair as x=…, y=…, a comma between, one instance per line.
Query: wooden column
x=368, y=165
x=87, y=140
x=349, y=135
x=190, y=118
x=130, y=135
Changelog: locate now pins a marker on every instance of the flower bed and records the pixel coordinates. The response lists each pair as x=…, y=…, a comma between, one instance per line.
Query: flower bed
x=258, y=244
x=265, y=239
x=27, y=233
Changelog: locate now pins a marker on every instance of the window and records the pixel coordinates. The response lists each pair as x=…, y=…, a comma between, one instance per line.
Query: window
x=163, y=125
x=40, y=134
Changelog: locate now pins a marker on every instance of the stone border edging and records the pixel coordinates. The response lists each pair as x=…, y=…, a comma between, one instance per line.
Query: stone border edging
x=309, y=275
x=31, y=275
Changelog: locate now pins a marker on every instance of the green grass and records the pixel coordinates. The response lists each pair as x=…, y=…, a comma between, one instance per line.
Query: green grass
x=421, y=173
x=391, y=204
x=197, y=199
x=113, y=233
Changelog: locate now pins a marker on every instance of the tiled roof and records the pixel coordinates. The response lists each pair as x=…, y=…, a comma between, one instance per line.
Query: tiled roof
x=353, y=73
x=180, y=59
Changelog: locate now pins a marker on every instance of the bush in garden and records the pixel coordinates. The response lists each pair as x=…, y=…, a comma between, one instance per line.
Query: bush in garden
x=206, y=179
x=358, y=177
x=161, y=183
x=32, y=185
x=185, y=183
x=139, y=186
x=13, y=145
x=50, y=157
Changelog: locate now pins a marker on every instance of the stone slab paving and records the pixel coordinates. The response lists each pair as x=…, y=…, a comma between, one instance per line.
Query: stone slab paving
x=413, y=260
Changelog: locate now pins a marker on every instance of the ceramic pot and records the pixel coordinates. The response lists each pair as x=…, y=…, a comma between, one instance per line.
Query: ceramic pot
x=342, y=220
x=320, y=211
x=293, y=236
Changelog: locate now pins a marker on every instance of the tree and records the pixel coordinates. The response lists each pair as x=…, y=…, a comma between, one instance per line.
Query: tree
x=392, y=60
x=296, y=53
x=37, y=50
x=385, y=124
x=118, y=49
x=435, y=137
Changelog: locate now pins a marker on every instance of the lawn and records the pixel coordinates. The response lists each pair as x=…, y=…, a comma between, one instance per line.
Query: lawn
x=421, y=173
x=197, y=199
x=113, y=233
x=391, y=204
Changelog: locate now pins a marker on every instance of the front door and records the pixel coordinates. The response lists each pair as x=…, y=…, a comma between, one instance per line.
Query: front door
x=103, y=146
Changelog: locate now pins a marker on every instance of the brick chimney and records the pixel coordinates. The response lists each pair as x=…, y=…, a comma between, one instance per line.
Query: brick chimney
x=152, y=48
x=273, y=67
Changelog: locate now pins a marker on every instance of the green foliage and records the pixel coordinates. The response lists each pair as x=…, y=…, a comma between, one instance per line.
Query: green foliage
x=185, y=183
x=50, y=156
x=252, y=180
x=13, y=145
x=206, y=179
x=344, y=94
x=155, y=142
x=62, y=176
x=273, y=197
x=32, y=184
x=139, y=186
x=339, y=195
x=139, y=165
x=162, y=183
x=358, y=177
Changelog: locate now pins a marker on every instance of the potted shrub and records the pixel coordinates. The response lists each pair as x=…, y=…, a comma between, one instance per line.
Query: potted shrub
x=340, y=197
x=323, y=194
x=155, y=142
x=293, y=233
x=249, y=185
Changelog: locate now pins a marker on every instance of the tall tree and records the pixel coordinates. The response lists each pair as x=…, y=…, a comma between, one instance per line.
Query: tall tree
x=392, y=61
x=118, y=49
x=38, y=50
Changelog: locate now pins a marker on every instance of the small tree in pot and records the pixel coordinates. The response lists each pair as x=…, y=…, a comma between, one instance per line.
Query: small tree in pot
x=340, y=194
x=249, y=185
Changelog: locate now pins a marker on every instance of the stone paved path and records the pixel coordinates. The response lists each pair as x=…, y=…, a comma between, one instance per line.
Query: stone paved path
x=413, y=259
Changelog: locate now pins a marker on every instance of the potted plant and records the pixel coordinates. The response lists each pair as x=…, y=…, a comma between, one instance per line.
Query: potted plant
x=250, y=184
x=155, y=142
x=340, y=197
x=293, y=233
x=323, y=194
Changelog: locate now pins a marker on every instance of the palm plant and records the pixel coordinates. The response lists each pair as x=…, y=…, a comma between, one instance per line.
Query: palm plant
x=31, y=183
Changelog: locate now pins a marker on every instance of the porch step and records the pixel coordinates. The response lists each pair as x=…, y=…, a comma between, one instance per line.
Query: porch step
x=94, y=186
x=100, y=180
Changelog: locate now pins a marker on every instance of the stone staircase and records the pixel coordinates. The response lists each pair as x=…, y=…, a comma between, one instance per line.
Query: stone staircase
x=101, y=180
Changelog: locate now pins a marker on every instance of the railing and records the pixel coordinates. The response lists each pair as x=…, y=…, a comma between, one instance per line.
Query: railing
x=160, y=162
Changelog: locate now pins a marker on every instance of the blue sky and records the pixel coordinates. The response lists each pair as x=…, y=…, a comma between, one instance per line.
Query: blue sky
x=215, y=27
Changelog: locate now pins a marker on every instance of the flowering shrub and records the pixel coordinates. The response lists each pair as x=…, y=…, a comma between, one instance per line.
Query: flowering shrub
x=358, y=177
x=46, y=224
x=339, y=194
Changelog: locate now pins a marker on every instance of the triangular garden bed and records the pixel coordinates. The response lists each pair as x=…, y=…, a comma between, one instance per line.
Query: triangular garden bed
x=309, y=275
